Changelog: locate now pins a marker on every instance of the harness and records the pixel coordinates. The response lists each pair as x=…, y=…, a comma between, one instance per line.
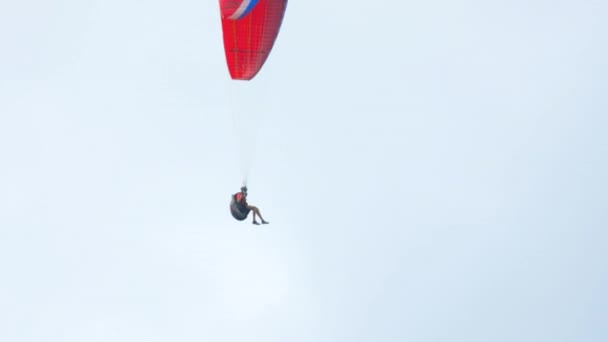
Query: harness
x=238, y=206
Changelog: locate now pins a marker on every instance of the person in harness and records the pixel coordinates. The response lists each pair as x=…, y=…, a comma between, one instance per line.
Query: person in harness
x=240, y=208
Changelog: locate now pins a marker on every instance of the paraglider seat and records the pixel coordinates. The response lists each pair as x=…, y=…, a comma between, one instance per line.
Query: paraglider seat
x=238, y=210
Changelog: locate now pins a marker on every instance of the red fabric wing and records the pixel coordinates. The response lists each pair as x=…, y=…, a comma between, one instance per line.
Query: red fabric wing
x=249, y=40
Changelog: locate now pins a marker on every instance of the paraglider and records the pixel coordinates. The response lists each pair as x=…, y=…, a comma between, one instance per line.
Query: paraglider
x=250, y=29
x=239, y=208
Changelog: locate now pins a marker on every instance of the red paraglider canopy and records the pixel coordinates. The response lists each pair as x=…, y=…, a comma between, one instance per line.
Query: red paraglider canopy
x=250, y=28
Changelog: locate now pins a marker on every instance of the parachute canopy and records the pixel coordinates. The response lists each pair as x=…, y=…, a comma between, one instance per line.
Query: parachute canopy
x=250, y=28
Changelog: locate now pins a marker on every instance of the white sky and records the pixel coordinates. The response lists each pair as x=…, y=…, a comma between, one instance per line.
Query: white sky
x=432, y=172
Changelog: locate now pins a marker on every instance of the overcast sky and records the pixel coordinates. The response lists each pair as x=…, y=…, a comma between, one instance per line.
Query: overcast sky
x=431, y=171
